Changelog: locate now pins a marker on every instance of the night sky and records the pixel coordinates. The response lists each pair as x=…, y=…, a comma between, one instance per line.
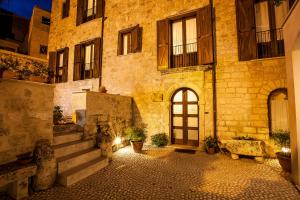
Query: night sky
x=24, y=7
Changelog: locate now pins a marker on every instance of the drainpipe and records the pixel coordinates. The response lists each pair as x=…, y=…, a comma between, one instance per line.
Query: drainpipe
x=102, y=41
x=214, y=88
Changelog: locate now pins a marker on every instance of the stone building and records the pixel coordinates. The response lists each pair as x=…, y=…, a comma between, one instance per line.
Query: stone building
x=191, y=71
x=38, y=33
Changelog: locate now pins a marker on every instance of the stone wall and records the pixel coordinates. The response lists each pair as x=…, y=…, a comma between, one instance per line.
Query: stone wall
x=65, y=33
x=242, y=87
x=35, y=68
x=115, y=110
x=25, y=116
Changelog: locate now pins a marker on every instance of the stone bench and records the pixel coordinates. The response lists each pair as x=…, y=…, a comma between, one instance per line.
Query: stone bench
x=16, y=175
x=253, y=148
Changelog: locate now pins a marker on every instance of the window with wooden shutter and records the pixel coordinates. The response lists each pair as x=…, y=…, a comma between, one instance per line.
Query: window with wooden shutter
x=65, y=8
x=52, y=65
x=99, y=8
x=205, y=36
x=79, y=19
x=77, y=62
x=65, y=64
x=163, y=44
x=97, y=65
x=246, y=29
x=130, y=40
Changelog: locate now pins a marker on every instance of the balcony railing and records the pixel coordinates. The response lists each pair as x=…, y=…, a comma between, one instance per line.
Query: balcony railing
x=184, y=55
x=270, y=43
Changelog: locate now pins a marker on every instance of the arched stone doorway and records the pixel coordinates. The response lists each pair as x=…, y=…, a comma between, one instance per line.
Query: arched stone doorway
x=278, y=110
x=185, y=117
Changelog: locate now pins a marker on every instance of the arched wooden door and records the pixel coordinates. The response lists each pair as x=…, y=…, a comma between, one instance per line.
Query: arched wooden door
x=185, y=118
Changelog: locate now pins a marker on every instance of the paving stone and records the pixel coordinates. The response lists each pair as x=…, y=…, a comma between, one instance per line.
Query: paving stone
x=161, y=173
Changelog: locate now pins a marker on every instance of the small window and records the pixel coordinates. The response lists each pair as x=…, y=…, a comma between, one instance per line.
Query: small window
x=90, y=10
x=130, y=40
x=43, y=49
x=65, y=8
x=45, y=20
x=89, y=57
x=60, y=66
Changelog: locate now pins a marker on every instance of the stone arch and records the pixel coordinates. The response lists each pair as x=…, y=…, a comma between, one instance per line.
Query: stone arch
x=171, y=90
x=270, y=86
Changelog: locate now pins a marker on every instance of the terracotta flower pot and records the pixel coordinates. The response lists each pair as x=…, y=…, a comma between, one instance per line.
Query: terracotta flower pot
x=284, y=161
x=210, y=150
x=137, y=146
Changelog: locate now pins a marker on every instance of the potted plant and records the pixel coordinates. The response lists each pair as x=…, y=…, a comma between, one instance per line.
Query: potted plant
x=210, y=144
x=282, y=139
x=137, y=137
x=57, y=115
x=160, y=139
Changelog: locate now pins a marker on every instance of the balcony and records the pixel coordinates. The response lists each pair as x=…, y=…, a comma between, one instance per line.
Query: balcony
x=270, y=43
x=184, y=55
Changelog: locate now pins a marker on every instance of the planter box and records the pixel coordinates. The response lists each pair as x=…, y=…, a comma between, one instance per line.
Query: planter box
x=245, y=147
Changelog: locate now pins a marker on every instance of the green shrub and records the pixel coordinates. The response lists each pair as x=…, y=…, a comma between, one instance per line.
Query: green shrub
x=57, y=114
x=210, y=142
x=281, y=138
x=135, y=134
x=160, y=139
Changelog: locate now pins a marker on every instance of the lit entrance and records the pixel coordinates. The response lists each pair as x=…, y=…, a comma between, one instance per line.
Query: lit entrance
x=185, y=118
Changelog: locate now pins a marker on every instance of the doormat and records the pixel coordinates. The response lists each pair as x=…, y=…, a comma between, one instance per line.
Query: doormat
x=189, y=151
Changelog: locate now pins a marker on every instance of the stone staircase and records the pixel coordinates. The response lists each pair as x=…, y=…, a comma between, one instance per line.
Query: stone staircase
x=76, y=158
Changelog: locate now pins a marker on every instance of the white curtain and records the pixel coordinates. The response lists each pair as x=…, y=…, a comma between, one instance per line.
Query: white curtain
x=90, y=8
x=191, y=35
x=280, y=115
x=281, y=12
x=125, y=44
x=89, y=57
x=262, y=21
x=177, y=38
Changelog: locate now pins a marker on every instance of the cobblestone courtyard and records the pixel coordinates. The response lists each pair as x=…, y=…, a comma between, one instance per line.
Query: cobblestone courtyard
x=164, y=174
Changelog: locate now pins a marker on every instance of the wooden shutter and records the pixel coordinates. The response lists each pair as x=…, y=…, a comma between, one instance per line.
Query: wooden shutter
x=205, y=36
x=77, y=62
x=246, y=29
x=136, y=39
x=79, y=18
x=52, y=65
x=163, y=44
x=99, y=8
x=97, y=62
x=120, y=44
x=66, y=9
x=65, y=69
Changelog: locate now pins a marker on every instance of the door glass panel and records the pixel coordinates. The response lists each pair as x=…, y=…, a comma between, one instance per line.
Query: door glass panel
x=178, y=97
x=193, y=122
x=191, y=96
x=262, y=21
x=177, y=109
x=177, y=121
x=193, y=134
x=192, y=109
x=177, y=133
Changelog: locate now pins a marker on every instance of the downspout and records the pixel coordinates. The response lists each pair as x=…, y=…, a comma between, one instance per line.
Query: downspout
x=214, y=88
x=102, y=41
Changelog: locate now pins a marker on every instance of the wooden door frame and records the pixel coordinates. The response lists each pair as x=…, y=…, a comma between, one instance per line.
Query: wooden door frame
x=184, y=116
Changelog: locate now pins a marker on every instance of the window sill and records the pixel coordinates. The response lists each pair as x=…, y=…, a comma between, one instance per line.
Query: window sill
x=271, y=58
x=185, y=69
x=122, y=55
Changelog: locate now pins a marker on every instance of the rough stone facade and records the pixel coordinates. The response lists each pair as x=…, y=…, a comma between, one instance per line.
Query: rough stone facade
x=65, y=33
x=25, y=117
x=242, y=87
x=38, y=33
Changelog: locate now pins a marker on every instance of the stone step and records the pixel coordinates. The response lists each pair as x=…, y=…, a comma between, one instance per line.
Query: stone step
x=72, y=147
x=70, y=161
x=61, y=138
x=80, y=172
x=67, y=128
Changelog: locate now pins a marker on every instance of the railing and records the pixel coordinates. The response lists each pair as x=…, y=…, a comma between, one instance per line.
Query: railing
x=184, y=55
x=270, y=43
